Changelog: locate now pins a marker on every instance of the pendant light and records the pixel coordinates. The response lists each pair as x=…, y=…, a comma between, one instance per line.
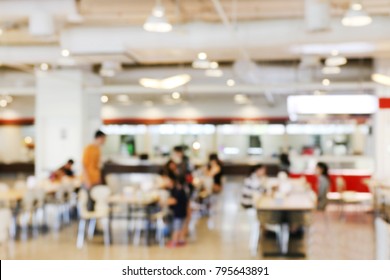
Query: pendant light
x=356, y=16
x=157, y=21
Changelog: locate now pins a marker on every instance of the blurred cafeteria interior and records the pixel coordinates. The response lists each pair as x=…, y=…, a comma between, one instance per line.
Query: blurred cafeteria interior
x=251, y=129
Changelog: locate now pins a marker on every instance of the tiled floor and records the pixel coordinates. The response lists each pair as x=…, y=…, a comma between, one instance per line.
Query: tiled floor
x=351, y=237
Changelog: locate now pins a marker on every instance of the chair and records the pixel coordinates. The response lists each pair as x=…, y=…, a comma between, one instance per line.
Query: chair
x=27, y=213
x=100, y=195
x=113, y=183
x=4, y=188
x=5, y=224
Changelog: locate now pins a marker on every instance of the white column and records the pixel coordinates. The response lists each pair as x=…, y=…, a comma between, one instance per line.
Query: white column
x=382, y=125
x=65, y=119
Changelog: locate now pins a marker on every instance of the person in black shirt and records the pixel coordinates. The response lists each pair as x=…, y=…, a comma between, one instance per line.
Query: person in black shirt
x=64, y=171
x=178, y=203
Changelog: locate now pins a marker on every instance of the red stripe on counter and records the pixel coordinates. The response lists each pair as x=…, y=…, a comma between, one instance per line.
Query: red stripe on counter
x=23, y=121
x=384, y=103
x=195, y=120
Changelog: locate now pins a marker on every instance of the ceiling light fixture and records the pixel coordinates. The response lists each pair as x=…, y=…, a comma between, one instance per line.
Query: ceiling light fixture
x=110, y=68
x=44, y=67
x=325, y=82
x=176, y=95
x=231, y=83
x=381, y=79
x=65, y=53
x=331, y=70
x=201, y=61
x=168, y=83
x=356, y=16
x=157, y=21
x=335, y=59
x=104, y=98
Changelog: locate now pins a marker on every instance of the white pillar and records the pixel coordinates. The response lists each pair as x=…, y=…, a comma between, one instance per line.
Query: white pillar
x=382, y=124
x=65, y=119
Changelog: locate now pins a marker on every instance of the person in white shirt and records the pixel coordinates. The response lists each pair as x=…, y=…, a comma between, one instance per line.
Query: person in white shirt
x=254, y=184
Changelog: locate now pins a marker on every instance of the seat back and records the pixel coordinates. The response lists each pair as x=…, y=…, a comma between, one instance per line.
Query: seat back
x=29, y=200
x=82, y=202
x=5, y=223
x=113, y=183
x=40, y=196
x=100, y=195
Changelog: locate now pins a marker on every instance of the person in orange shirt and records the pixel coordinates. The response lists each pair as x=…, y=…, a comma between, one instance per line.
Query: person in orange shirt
x=91, y=165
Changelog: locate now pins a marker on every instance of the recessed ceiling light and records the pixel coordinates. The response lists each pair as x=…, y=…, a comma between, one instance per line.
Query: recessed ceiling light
x=325, y=82
x=231, y=82
x=104, y=98
x=176, y=95
x=44, y=66
x=214, y=65
x=3, y=103
x=202, y=56
x=65, y=53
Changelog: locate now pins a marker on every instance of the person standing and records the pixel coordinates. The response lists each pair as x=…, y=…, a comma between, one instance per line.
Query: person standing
x=91, y=165
x=323, y=185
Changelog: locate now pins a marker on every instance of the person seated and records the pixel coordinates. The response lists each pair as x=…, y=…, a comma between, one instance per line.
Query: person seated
x=64, y=171
x=254, y=184
x=214, y=170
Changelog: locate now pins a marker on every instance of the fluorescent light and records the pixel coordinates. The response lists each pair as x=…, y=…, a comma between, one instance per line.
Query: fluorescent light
x=332, y=104
x=331, y=70
x=104, y=98
x=381, y=79
x=157, y=21
x=356, y=16
x=168, y=83
x=334, y=61
x=231, y=83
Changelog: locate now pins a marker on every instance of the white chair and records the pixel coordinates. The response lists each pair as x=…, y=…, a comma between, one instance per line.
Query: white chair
x=4, y=188
x=5, y=224
x=113, y=183
x=27, y=213
x=100, y=195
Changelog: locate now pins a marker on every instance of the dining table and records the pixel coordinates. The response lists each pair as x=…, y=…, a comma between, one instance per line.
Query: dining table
x=286, y=210
x=132, y=203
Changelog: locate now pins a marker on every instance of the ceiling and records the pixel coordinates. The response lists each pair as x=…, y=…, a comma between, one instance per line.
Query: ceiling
x=268, y=31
